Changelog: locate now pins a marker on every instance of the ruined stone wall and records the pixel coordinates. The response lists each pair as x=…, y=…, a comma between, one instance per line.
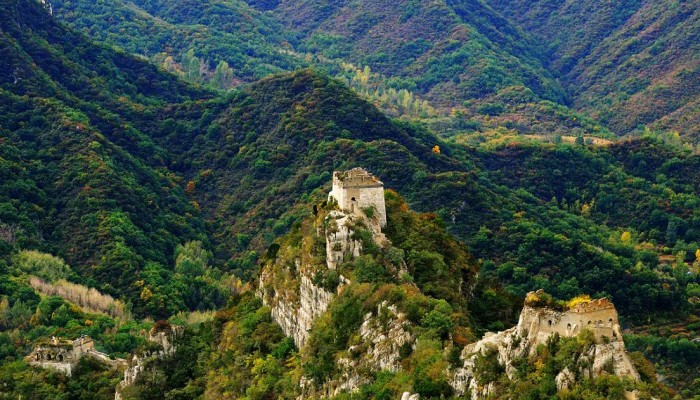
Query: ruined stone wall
x=374, y=197
x=535, y=326
x=62, y=355
x=544, y=322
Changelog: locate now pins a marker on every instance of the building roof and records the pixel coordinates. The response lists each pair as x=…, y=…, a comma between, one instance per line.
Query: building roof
x=356, y=177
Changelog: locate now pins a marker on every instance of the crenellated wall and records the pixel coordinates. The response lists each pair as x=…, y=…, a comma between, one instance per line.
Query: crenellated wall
x=63, y=355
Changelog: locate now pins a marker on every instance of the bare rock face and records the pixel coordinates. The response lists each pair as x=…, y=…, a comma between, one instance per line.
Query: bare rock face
x=298, y=301
x=296, y=318
x=165, y=339
x=535, y=327
x=382, y=335
x=339, y=243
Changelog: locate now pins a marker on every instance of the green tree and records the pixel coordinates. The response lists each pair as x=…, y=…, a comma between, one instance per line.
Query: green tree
x=223, y=75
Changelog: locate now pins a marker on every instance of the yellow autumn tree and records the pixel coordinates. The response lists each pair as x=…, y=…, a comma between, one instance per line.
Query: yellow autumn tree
x=584, y=298
x=626, y=237
x=190, y=188
x=436, y=149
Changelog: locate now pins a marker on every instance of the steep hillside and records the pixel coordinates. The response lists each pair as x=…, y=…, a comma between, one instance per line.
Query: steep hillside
x=361, y=322
x=248, y=163
x=161, y=193
x=220, y=42
x=629, y=64
x=80, y=180
x=272, y=148
x=458, y=66
x=449, y=51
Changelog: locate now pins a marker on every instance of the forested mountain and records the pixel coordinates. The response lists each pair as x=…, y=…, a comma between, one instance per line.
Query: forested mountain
x=449, y=51
x=222, y=42
x=575, y=68
x=458, y=66
x=164, y=194
x=79, y=179
x=628, y=64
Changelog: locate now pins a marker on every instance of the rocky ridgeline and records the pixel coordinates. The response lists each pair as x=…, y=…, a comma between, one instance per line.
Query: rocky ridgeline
x=536, y=326
x=290, y=287
x=296, y=306
x=164, y=341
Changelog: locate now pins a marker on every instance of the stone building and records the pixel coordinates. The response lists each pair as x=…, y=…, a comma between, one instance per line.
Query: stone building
x=61, y=355
x=536, y=325
x=356, y=190
x=598, y=316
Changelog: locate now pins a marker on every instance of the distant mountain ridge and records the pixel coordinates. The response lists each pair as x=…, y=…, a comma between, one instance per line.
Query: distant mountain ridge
x=450, y=50
x=629, y=64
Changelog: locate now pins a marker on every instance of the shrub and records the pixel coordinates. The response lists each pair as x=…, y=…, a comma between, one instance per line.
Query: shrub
x=43, y=265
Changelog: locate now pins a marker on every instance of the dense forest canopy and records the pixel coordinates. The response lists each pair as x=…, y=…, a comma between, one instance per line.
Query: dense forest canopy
x=151, y=152
x=629, y=64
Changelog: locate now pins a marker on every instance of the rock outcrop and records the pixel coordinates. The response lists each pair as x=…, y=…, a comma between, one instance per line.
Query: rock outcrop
x=291, y=284
x=296, y=318
x=164, y=341
x=296, y=304
x=606, y=353
x=382, y=336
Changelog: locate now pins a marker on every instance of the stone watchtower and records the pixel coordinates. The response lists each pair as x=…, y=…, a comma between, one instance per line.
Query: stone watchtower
x=357, y=189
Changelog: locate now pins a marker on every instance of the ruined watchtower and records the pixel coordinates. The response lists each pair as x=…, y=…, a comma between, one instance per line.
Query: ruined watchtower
x=599, y=316
x=60, y=355
x=357, y=189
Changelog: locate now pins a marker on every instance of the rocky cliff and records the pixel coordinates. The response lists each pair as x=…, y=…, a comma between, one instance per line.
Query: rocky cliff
x=292, y=284
x=163, y=345
x=301, y=282
x=305, y=277
x=357, y=295
x=595, y=344
x=382, y=336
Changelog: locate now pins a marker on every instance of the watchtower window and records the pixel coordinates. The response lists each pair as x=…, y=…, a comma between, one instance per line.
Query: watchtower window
x=568, y=326
x=589, y=322
x=550, y=322
x=353, y=199
x=59, y=358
